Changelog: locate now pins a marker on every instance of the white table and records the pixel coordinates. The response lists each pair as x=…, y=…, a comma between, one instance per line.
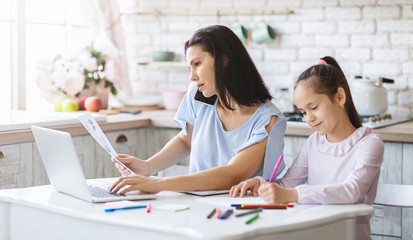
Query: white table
x=42, y=213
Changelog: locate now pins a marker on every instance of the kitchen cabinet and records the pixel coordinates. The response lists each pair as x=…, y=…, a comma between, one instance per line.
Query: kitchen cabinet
x=16, y=166
x=292, y=145
x=158, y=137
x=125, y=142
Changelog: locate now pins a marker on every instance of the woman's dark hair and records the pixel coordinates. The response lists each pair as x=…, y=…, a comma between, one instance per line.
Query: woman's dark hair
x=237, y=77
x=326, y=79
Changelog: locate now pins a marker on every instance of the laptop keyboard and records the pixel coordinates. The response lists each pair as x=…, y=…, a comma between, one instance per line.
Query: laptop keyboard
x=102, y=193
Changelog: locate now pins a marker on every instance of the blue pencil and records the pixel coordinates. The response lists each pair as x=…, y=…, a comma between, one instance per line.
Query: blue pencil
x=124, y=208
x=226, y=214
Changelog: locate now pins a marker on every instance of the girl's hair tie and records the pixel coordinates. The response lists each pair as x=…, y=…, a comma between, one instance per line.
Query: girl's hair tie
x=321, y=62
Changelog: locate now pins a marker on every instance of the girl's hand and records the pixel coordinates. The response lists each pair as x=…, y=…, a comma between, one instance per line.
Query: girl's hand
x=251, y=184
x=137, y=165
x=136, y=182
x=275, y=194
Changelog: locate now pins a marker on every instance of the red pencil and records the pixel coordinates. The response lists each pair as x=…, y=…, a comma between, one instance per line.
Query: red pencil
x=267, y=205
x=279, y=207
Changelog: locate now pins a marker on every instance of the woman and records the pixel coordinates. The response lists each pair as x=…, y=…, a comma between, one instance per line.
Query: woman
x=227, y=122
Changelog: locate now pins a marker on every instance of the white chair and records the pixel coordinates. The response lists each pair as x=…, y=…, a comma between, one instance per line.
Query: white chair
x=395, y=195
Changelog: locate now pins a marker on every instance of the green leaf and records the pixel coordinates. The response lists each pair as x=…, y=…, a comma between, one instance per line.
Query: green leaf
x=113, y=90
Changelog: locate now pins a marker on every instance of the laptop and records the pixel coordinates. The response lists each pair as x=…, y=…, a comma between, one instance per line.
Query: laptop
x=65, y=172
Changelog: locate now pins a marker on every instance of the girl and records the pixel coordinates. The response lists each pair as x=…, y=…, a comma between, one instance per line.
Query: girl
x=227, y=122
x=340, y=162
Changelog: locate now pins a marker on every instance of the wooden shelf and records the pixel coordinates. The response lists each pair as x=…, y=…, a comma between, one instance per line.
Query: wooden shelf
x=218, y=13
x=163, y=63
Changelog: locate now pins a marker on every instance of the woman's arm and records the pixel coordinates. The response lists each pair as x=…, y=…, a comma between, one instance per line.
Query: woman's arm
x=243, y=165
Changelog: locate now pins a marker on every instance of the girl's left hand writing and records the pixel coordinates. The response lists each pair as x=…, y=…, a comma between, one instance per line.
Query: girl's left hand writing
x=275, y=194
x=136, y=182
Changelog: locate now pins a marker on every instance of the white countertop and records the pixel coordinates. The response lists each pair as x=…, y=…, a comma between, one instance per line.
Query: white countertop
x=17, y=120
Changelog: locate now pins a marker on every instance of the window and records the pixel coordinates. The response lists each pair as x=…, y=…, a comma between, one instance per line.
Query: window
x=6, y=25
x=32, y=30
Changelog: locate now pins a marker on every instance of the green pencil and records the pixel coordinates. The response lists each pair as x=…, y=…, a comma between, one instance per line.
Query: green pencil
x=252, y=219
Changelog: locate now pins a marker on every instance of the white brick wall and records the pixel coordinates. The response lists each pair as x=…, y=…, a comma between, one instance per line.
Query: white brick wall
x=373, y=37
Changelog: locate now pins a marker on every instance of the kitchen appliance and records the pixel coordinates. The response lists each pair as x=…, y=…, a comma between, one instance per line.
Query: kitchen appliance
x=369, y=95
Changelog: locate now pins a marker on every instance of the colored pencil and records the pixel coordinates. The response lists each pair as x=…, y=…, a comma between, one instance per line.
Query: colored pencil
x=249, y=212
x=245, y=208
x=124, y=208
x=226, y=214
x=255, y=217
x=267, y=205
x=276, y=168
x=212, y=213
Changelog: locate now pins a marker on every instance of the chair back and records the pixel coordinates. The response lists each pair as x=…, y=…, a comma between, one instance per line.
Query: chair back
x=394, y=195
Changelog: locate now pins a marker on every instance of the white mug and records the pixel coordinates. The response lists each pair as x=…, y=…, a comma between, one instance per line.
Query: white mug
x=240, y=31
x=263, y=33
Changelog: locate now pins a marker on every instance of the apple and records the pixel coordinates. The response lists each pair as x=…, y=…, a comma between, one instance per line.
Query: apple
x=57, y=103
x=81, y=102
x=93, y=104
x=69, y=105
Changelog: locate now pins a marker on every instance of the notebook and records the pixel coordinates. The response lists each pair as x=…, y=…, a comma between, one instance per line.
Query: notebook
x=65, y=172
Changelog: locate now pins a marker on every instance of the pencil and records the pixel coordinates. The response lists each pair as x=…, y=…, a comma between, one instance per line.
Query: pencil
x=276, y=168
x=124, y=208
x=212, y=213
x=274, y=207
x=218, y=213
x=255, y=217
x=249, y=212
x=226, y=214
x=267, y=205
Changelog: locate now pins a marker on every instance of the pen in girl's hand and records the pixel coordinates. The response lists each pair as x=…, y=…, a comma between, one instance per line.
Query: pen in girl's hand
x=276, y=168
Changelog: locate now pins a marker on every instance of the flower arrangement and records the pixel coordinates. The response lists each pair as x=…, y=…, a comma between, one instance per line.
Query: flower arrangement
x=79, y=75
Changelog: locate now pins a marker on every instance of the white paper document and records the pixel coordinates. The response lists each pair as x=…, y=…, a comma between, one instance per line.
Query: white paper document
x=227, y=201
x=208, y=193
x=96, y=132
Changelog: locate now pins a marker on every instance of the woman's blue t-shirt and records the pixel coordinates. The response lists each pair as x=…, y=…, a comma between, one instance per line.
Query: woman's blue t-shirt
x=212, y=146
